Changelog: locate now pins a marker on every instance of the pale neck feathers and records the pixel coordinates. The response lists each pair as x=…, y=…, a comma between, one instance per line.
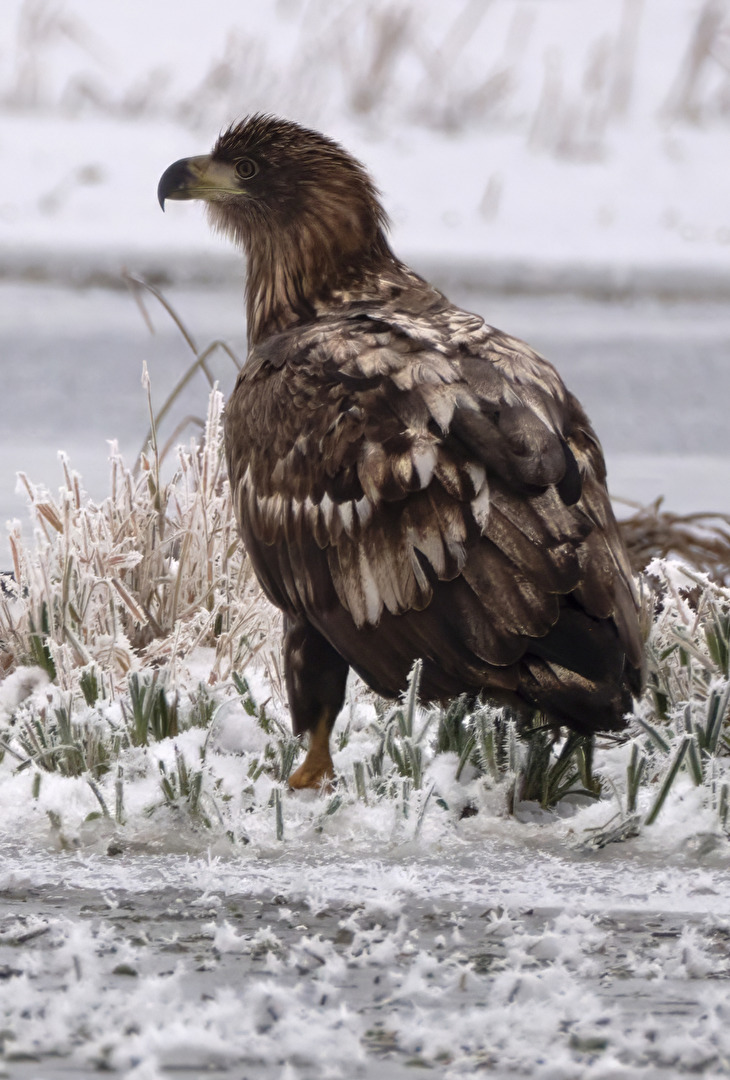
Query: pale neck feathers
x=332, y=244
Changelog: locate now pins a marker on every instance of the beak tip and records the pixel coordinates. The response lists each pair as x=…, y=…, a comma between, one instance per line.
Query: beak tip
x=177, y=181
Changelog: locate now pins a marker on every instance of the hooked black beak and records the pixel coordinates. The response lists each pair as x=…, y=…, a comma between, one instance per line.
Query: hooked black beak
x=176, y=182
x=198, y=178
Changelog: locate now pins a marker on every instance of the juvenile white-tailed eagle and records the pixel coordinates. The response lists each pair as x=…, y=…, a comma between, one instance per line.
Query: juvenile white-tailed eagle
x=408, y=481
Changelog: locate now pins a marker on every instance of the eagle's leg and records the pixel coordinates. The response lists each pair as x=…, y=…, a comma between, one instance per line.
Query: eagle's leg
x=315, y=681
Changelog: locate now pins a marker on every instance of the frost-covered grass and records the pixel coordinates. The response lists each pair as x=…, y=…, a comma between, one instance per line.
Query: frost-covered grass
x=142, y=704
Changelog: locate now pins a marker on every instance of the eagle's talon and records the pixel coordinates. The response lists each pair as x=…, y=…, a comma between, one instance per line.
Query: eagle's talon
x=317, y=770
x=317, y=775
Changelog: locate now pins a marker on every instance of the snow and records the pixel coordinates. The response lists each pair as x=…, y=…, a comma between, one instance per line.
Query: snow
x=492, y=952
x=534, y=148
x=577, y=161
x=372, y=936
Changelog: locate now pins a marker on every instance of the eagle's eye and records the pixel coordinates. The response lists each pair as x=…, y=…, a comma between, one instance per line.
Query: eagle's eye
x=245, y=168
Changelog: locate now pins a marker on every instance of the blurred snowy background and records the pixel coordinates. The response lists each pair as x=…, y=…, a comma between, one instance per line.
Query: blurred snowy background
x=559, y=165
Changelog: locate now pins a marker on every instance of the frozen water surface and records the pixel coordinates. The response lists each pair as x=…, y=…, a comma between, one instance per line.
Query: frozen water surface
x=653, y=377
x=512, y=954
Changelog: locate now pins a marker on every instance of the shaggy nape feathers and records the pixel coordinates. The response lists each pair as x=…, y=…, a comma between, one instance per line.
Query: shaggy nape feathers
x=309, y=227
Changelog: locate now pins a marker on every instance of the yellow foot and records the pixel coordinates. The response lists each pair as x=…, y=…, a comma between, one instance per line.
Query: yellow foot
x=314, y=772
x=317, y=770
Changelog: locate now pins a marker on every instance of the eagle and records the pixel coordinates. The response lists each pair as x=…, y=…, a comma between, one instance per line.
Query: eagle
x=410, y=483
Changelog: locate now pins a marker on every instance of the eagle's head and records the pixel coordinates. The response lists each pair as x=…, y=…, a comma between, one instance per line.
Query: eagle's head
x=302, y=208
x=269, y=173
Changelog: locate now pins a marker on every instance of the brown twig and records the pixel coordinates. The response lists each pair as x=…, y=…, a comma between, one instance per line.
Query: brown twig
x=700, y=539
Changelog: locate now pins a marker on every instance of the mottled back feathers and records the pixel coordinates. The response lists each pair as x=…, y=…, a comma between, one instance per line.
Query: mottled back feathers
x=409, y=451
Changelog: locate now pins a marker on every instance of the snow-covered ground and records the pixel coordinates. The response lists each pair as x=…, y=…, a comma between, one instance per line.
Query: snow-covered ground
x=331, y=936
x=505, y=954
x=560, y=166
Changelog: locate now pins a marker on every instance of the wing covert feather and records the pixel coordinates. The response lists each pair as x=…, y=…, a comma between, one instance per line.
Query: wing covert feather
x=395, y=458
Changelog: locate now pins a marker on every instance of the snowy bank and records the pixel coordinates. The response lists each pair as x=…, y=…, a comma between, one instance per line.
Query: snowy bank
x=527, y=146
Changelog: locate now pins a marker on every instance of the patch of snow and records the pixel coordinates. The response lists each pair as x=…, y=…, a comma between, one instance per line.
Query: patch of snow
x=18, y=687
x=588, y=157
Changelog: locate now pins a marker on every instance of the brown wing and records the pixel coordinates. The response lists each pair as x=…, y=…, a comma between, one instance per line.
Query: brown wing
x=427, y=487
